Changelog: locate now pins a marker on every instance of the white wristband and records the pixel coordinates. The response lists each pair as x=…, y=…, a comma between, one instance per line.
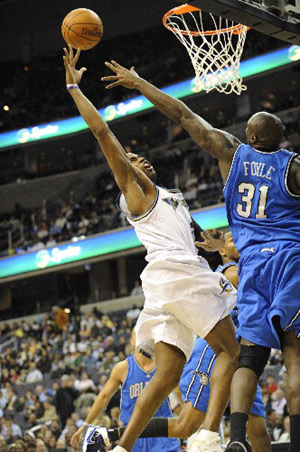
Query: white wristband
x=72, y=86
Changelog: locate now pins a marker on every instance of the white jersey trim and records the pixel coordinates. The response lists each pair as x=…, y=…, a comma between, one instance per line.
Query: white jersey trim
x=140, y=217
x=286, y=177
x=231, y=166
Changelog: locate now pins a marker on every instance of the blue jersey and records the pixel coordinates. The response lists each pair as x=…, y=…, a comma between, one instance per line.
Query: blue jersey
x=136, y=380
x=260, y=207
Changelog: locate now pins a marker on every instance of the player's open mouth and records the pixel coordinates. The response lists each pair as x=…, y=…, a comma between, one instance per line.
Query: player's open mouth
x=147, y=165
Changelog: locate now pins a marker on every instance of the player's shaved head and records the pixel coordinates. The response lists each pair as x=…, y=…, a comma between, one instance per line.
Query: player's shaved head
x=264, y=131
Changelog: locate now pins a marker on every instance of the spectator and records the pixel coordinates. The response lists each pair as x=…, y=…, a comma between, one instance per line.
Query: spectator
x=64, y=400
x=3, y=401
x=55, y=428
x=285, y=433
x=3, y=445
x=61, y=318
x=34, y=375
x=60, y=444
x=277, y=430
x=84, y=384
x=31, y=447
x=271, y=385
x=41, y=446
x=40, y=393
x=49, y=412
x=137, y=290
x=134, y=312
x=279, y=401
x=10, y=430
x=29, y=437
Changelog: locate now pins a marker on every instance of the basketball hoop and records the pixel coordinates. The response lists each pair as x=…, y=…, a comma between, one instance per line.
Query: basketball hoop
x=214, y=44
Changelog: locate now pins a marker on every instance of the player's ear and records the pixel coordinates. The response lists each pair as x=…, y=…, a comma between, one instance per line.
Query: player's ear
x=253, y=138
x=222, y=252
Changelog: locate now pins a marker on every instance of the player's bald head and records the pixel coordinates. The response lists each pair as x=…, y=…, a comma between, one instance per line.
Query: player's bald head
x=264, y=131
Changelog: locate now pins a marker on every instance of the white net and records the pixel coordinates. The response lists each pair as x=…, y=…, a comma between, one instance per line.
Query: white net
x=215, y=54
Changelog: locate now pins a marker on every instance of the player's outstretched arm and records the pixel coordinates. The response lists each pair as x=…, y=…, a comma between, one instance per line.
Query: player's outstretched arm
x=139, y=191
x=116, y=378
x=216, y=142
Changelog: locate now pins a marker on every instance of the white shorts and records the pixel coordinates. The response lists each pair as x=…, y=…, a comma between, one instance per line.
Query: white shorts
x=183, y=297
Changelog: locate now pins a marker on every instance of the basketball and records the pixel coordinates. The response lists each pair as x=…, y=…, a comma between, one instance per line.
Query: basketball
x=82, y=29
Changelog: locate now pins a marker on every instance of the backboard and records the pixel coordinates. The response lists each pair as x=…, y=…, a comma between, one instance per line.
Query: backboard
x=282, y=23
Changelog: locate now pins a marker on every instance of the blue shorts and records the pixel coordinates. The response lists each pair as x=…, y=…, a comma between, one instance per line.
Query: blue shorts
x=194, y=383
x=156, y=445
x=269, y=286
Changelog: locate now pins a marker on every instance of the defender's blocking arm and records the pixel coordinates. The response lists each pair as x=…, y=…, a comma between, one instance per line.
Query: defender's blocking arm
x=139, y=191
x=216, y=142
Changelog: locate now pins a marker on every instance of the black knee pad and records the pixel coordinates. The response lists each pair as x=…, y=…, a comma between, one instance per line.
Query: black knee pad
x=254, y=357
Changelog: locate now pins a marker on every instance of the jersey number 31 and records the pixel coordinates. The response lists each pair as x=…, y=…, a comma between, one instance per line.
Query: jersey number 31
x=247, y=191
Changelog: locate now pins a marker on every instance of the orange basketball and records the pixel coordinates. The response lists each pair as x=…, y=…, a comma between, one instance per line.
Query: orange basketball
x=82, y=29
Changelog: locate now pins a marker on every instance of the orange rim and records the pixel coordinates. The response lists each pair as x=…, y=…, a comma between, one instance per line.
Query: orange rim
x=184, y=9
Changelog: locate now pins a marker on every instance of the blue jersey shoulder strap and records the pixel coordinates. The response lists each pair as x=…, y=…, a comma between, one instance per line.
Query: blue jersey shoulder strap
x=222, y=268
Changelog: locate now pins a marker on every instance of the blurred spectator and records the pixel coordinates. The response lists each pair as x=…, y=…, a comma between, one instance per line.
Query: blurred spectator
x=270, y=385
x=34, y=375
x=65, y=398
x=49, y=412
x=134, y=312
x=285, y=433
x=84, y=384
x=61, y=318
x=137, y=290
x=40, y=393
x=10, y=430
x=278, y=401
x=41, y=446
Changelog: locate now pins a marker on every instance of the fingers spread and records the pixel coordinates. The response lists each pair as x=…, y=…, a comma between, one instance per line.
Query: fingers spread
x=116, y=64
x=209, y=234
x=109, y=78
x=66, y=53
x=111, y=66
x=202, y=245
x=203, y=235
x=71, y=52
x=112, y=85
x=77, y=56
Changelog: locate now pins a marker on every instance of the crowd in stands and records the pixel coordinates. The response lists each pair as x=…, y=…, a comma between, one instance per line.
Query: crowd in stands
x=50, y=378
x=42, y=227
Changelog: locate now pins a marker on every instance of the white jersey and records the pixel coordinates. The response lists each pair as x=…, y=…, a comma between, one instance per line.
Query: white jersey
x=183, y=296
x=166, y=228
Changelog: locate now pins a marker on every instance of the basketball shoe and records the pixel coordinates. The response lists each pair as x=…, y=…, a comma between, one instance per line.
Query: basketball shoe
x=94, y=439
x=206, y=441
x=237, y=446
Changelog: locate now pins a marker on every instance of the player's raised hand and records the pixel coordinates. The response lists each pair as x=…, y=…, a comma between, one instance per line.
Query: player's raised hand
x=73, y=75
x=213, y=240
x=123, y=76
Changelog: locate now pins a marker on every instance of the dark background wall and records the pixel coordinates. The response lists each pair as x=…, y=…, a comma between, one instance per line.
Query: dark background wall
x=32, y=27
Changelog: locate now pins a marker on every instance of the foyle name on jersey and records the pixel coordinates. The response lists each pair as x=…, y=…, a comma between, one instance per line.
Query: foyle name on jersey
x=258, y=169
